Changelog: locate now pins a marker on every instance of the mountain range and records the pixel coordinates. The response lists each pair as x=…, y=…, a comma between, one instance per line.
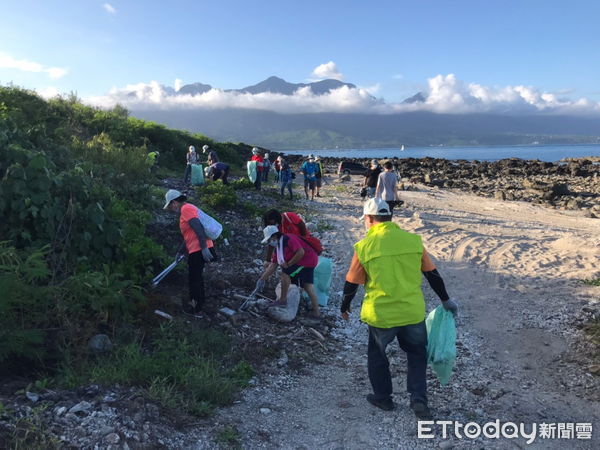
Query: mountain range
x=363, y=130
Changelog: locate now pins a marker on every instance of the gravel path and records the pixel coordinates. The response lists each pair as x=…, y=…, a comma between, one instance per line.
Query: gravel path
x=514, y=267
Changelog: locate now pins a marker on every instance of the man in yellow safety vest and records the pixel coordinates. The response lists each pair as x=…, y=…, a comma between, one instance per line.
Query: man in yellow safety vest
x=389, y=262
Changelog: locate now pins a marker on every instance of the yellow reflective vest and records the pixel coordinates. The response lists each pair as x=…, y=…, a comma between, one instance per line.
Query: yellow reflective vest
x=391, y=258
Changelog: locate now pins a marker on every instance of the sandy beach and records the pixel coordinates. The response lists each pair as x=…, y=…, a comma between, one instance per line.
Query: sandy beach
x=515, y=268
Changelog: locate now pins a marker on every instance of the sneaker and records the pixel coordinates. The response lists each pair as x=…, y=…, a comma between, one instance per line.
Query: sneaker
x=386, y=405
x=421, y=410
x=194, y=314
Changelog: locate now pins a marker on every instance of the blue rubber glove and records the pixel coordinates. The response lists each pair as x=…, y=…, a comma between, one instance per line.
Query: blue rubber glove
x=451, y=305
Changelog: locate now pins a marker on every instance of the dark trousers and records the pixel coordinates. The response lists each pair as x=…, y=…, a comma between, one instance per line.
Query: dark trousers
x=257, y=183
x=196, y=279
x=287, y=185
x=413, y=340
x=187, y=174
x=266, y=173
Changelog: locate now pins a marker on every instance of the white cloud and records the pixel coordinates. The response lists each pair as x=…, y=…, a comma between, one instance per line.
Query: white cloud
x=109, y=8
x=8, y=62
x=327, y=70
x=48, y=92
x=445, y=94
x=398, y=76
x=178, y=84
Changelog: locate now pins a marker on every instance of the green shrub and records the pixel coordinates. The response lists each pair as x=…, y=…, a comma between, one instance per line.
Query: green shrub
x=179, y=369
x=217, y=195
x=242, y=183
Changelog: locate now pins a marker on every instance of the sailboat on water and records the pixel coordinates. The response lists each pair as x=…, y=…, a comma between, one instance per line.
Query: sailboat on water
x=402, y=148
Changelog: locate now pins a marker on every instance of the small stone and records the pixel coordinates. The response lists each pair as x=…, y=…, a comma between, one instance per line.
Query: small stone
x=60, y=410
x=112, y=438
x=80, y=407
x=32, y=396
x=100, y=343
x=265, y=411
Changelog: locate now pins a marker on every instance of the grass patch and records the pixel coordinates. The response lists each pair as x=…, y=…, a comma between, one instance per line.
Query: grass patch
x=31, y=433
x=592, y=330
x=180, y=368
x=595, y=282
x=229, y=437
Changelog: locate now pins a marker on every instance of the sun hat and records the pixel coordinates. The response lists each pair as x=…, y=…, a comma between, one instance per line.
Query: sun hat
x=269, y=231
x=376, y=207
x=192, y=148
x=171, y=195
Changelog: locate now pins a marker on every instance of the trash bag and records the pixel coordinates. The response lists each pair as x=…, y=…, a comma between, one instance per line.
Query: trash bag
x=441, y=346
x=212, y=228
x=252, y=172
x=286, y=313
x=197, y=175
x=322, y=280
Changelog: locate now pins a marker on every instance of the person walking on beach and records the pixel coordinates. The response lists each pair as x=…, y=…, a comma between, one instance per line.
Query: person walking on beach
x=371, y=177
x=285, y=177
x=266, y=167
x=297, y=260
x=200, y=249
x=259, y=167
x=387, y=187
x=212, y=155
x=389, y=262
x=309, y=170
x=191, y=158
x=318, y=175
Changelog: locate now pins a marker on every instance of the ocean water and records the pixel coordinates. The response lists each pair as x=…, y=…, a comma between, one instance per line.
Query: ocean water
x=551, y=153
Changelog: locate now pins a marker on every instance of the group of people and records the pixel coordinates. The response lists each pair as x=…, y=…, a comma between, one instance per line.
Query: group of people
x=389, y=262
x=383, y=182
x=215, y=169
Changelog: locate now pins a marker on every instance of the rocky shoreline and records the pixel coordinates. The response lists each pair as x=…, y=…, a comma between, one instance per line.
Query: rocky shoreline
x=571, y=184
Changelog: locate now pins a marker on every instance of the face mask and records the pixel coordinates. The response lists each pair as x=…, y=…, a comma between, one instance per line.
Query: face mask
x=273, y=243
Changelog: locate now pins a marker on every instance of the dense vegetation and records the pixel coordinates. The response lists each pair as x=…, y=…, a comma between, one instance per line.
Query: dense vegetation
x=76, y=196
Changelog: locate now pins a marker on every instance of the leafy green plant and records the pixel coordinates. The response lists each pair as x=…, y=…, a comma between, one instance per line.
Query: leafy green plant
x=595, y=282
x=242, y=183
x=217, y=195
x=229, y=437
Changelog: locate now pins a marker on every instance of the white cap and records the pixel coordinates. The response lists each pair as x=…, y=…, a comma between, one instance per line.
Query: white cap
x=374, y=162
x=268, y=232
x=311, y=156
x=376, y=207
x=204, y=148
x=171, y=195
x=317, y=158
x=266, y=155
x=192, y=148
x=254, y=149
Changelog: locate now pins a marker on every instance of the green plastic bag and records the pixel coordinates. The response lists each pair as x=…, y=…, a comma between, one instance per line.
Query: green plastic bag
x=322, y=279
x=252, y=171
x=197, y=175
x=441, y=343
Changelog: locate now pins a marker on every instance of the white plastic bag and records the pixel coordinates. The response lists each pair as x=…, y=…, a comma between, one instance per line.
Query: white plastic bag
x=212, y=228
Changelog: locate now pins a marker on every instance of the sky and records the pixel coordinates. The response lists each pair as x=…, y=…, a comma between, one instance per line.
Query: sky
x=484, y=54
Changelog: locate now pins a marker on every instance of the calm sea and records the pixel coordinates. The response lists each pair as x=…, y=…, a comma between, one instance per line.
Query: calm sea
x=491, y=153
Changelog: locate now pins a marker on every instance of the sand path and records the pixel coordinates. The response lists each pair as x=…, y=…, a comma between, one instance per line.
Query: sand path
x=514, y=268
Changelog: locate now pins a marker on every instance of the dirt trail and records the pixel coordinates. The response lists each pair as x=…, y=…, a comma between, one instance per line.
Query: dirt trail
x=513, y=268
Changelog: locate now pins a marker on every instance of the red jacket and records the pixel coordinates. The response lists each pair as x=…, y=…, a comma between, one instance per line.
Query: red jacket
x=259, y=162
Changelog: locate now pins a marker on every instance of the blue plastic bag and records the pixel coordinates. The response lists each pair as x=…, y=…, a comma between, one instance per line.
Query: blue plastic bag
x=441, y=343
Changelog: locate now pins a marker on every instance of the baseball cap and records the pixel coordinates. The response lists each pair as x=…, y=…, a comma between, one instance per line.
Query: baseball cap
x=192, y=148
x=171, y=195
x=376, y=207
x=268, y=232
x=374, y=162
x=254, y=149
x=204, y=148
